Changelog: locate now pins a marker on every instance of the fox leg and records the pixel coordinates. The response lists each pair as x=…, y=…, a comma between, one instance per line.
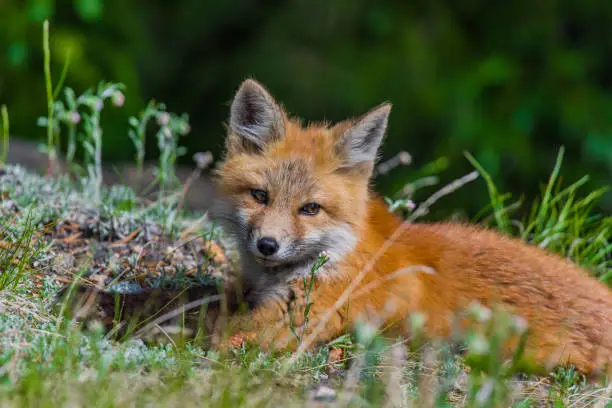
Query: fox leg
x=283, y=322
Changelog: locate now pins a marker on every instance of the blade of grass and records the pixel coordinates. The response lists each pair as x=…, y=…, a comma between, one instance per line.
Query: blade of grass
x=5, y=135
x=60, y=83
x=49, y=89
x=497, y=201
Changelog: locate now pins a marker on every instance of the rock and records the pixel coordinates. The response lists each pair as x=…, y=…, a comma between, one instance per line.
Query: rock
x=323, y=393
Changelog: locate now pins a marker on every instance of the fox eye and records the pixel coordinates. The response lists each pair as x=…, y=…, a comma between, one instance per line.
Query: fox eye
x=310, y=209
x=260, y=196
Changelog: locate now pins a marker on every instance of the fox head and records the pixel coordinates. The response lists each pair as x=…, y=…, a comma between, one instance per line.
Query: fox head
x=292, y=191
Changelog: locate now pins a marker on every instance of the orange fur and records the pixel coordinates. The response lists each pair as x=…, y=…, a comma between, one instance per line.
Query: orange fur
x=569, y=314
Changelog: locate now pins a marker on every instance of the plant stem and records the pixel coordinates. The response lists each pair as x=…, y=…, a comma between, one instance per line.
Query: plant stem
x=142, y=134
x=49, y=88
x=71, y=143
x=5, y=135
x=96, y=134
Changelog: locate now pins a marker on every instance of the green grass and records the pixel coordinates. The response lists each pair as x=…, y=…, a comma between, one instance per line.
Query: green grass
x=561, y=220
x=18, y=248
x=48, y=360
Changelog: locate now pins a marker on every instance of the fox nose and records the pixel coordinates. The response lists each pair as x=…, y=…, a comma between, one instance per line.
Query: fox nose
x=267, y=246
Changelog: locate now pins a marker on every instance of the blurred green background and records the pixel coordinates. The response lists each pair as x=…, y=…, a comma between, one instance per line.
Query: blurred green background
x=509, y=81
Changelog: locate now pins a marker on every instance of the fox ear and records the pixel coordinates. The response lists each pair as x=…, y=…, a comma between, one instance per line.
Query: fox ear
x=255, y=118
x=359, y=143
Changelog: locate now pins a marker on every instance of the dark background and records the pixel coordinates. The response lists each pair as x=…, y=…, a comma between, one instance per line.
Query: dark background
x=509, y=82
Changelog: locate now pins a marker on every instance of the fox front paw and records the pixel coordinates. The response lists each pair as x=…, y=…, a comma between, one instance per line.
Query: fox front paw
x=239, y=339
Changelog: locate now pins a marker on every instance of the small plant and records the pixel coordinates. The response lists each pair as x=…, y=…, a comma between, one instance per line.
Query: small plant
x=5, y=135
x=308, y=282
x=66, y=113
x=404, y=205
x=566, y=381
x=138, y=132
x=170, y=128
x=490, y=372
x=69, y=115
x=92, y=140
x=17, y=248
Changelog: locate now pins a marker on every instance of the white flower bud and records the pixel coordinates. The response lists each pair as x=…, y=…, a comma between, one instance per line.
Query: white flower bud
x=163, y=119
x=404, y=158
x=75, y=118
x=185, y=129
x=99, y=105
x=203, y=159
x=118, y=98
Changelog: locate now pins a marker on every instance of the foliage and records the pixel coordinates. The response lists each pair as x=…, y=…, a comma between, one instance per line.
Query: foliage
x=560, y=220
x=507, y=83
x=465, y=89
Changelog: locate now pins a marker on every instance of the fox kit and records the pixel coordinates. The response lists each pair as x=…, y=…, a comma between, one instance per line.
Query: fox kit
x=292, y=192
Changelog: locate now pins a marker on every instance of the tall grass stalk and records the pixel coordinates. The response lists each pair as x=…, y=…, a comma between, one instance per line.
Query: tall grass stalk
x=5, y=135
x=63, y=75
x=497, y=200
x=49, y=88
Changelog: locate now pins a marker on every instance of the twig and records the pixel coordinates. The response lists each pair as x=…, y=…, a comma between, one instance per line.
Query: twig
x=180, y=310
x=423, y=208
x=400, y=159
x=203, y=161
